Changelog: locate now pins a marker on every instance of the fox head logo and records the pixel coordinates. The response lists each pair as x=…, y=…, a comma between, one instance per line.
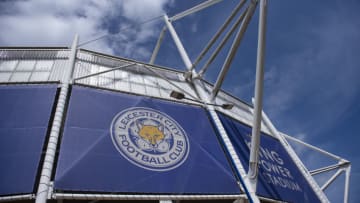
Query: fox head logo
x=151, y=137
x=153, y=134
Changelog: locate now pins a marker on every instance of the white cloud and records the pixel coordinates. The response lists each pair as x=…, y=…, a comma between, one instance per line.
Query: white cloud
x=321, y=77
x=142, y=10
x=49, y=23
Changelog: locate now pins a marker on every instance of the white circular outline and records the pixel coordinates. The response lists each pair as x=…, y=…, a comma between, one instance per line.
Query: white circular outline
x=133, y=161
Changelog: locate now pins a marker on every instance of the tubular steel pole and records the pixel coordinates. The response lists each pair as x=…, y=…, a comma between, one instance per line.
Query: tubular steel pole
x=347, y=183
x=205, y=98
x=195, y=9
x=17, y=197
x=157, y=46
x=178, y=43
x=312, y=147
x=325, y=169
x=222, y=43
x=231, y=54
x=218, y=33
x=255, y=136
x=323, y=188
x=142, y=197
x=44, y=184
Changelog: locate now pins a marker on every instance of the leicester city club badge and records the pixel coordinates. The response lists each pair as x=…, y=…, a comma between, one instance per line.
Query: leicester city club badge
x=149, y=139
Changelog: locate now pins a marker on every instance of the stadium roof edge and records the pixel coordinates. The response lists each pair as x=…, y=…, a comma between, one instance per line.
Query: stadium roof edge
x=33, y=47
x=114, y=57
x=165, y=68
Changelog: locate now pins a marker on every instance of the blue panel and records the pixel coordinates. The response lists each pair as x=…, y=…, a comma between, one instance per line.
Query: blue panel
x=24, y=118
x=279, y=177
x=121, y=143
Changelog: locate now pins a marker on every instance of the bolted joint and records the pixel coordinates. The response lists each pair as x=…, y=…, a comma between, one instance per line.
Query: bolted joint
x=253, y=172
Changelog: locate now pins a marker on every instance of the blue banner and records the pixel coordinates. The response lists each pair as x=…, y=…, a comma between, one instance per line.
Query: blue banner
x=279, y=178
x=24, y=118
x=121, y=143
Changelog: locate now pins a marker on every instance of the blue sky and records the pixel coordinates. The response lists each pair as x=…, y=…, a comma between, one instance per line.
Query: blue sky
x=312, y=86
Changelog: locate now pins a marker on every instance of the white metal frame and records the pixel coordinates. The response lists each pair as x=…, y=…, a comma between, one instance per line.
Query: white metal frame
x=17, y=197
x=157, y=47
x=259, y=83
x=45, y=177
x=222, y=44
x=295, y=158
x=232, y=52
x=75, y=196
x=204, y=98
x=194, y=9
x=343, y=166
x=247, y=180
x=218, y=33
x=251, y=178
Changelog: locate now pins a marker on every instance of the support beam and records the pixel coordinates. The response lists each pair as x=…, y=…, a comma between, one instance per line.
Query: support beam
x=330, y=168
x=178, y=43
x=232, y=52
x=255, y=136
x=194, y=9
x=218, y=33
x=333, y=177
x=312, y=147
x=222, y=43
x=259, y=83
x=16, y=198
x=46, y=171
x=157, y=46
x=172, y=83
x=347, y=183
x=80, y=196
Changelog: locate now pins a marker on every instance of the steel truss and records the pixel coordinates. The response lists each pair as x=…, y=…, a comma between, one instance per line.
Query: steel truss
x=248, y=180
x=342, y=166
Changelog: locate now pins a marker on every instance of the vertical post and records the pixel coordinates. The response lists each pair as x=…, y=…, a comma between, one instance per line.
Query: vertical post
x=255, y=136
x=178, y=43
x=44, y=183
x=347, y=183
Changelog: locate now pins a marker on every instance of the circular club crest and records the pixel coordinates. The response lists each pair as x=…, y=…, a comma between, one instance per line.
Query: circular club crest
x=149, y=139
